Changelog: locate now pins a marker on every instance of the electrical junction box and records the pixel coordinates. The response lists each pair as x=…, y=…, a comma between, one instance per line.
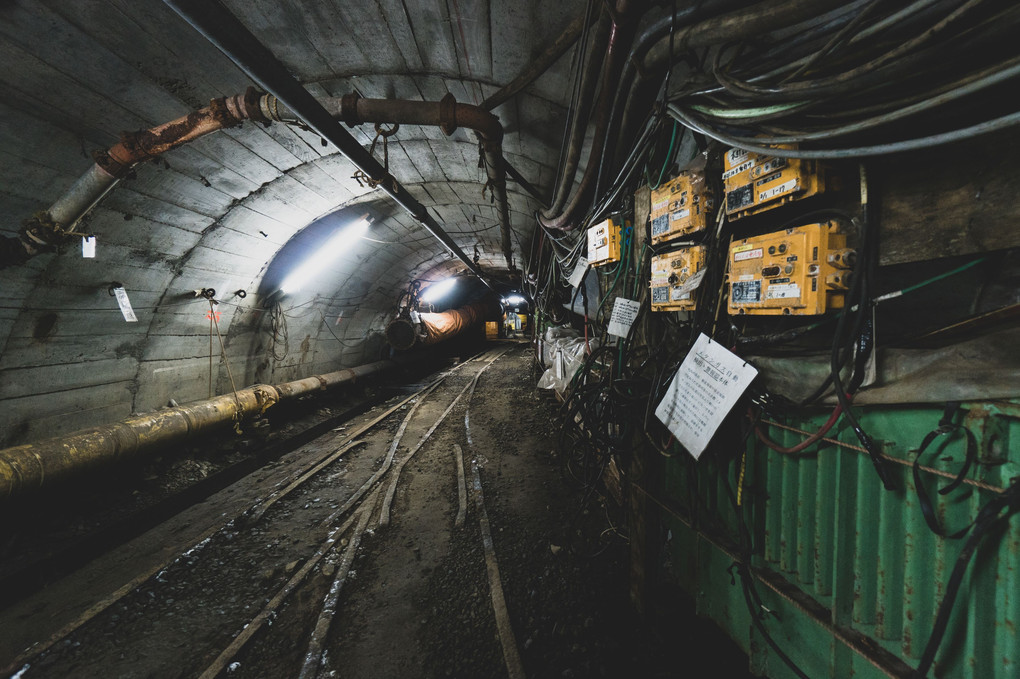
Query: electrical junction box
x=800, y=271
x=681, y=206
x=755, y=183
x=670, y=273
x=604, y=242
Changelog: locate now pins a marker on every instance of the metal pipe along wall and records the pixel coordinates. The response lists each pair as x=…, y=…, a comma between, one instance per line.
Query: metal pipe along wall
x=31, y=466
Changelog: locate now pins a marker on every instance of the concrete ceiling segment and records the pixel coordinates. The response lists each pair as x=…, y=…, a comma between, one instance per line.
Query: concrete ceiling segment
x=216, y=212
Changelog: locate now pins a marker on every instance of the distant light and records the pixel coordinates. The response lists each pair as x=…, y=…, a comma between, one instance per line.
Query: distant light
x=514, y=300
x=437, y=291
x=324, y=256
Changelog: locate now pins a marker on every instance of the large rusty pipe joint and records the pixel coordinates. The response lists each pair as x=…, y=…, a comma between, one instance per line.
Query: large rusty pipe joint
x=136, y=147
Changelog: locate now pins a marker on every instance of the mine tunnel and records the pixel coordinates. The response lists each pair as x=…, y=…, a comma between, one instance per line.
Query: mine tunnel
x=481, y=338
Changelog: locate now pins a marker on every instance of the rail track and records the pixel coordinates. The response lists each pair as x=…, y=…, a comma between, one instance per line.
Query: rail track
x=230, y=584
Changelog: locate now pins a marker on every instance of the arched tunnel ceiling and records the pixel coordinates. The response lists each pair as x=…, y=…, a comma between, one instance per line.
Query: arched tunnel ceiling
x=215, y=213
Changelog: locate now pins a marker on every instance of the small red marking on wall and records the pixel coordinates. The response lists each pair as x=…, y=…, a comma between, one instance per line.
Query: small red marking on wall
x=208, y=315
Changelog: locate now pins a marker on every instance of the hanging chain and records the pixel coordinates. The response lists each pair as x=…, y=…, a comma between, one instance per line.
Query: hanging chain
x=380, y=132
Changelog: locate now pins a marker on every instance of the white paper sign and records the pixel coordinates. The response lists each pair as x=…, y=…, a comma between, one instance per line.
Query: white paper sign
x=578, y=275
x=704, y=389
x=88, y=247
x=624, y=313
x=125, y=305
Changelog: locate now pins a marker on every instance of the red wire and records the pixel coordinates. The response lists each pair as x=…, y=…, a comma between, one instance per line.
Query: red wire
x=814, y=438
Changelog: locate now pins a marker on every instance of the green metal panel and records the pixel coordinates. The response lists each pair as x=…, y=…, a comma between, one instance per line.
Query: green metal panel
x=851, y=572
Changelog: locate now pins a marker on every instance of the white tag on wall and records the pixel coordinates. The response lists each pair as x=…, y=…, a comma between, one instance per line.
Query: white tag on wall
x=624, y=313
x=578, y=274
x=88, y=247
x=704, y=389
x=125, y=305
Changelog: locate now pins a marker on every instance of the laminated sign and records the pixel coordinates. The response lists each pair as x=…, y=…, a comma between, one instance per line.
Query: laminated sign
x=704, y=389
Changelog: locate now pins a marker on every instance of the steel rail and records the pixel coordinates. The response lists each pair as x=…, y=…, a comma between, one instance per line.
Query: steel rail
x=243, y=517
x=354, y=510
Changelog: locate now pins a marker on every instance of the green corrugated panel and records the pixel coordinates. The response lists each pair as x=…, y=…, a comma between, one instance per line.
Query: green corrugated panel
x=859, y=557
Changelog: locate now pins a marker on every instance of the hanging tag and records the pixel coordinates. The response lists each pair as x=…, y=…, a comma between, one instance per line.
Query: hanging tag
x=578, y=274
x=88, y=247
x=690, y=285
x=125, y=305
x=624, y=313
x=704, y=389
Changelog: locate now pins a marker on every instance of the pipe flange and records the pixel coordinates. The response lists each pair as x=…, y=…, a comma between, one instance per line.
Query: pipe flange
x=323, y=384
x=223, y=113
x=349, y=109
x=110, y=165
x=448, y=114
x=252, y=106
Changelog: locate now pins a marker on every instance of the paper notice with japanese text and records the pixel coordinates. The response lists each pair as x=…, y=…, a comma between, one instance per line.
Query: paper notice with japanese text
x=704, y=389
x=578, y=274
x=624, y=313
x=125, y=305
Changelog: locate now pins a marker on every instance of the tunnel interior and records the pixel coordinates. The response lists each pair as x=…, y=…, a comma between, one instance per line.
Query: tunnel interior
x=697, y=319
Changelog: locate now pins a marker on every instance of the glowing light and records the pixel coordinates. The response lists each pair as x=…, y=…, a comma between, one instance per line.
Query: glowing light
x=437, y=291
x=324, y=256
x=514, y=300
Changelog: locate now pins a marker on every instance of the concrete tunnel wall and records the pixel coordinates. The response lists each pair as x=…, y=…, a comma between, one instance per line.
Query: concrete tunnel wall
x=216, y=212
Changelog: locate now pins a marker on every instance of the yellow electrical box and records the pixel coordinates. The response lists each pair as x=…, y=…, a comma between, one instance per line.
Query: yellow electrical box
x=798, y=271
x=681, y=206
x=672, y=279
x=755, y=183
x=604, y=242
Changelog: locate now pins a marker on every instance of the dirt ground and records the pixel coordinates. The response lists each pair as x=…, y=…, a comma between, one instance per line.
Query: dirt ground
x=416, y=603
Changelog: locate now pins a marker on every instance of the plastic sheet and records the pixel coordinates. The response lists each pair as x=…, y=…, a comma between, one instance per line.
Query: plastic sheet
x=563, y=352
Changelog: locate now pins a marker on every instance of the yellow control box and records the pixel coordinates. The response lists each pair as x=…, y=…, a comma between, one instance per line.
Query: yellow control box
x=675, y=279
x=604, y=242
x=755, y=183
x=798, y=271
x=681, y=206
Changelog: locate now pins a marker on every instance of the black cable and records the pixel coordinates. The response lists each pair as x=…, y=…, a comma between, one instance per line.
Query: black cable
x=999, y=508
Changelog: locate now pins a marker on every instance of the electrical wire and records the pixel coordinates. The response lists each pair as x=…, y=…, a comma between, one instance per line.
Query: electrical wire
x=755, y=145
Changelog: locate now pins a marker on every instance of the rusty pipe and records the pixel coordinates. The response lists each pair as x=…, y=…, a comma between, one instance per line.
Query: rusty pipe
x=137, y=147
x=540, y=65
x=448, y=115
x=621, y=33
x=55, y=225
x=403, y=333
x=580, y=115
x=31, y=466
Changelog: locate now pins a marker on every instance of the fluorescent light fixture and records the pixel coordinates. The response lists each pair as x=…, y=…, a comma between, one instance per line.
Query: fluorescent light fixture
x=437, y=291
x=324, y=256
x=514, y=300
